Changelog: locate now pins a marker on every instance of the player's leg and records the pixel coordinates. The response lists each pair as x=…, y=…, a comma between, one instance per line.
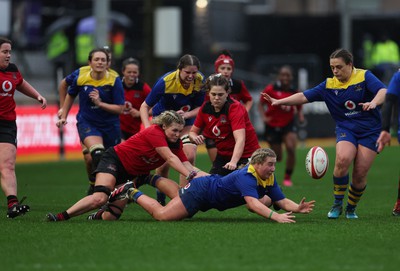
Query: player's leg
x=362, y=163
x=91, y=138
x=9, y=180
x=167, y=186
x=211, y=149
x=396, y=209
x=164, y=172
x=89, y=168
x=105, y=183
x=190, y=150
x=345, y=154
x=174, y=210
x=290, y=141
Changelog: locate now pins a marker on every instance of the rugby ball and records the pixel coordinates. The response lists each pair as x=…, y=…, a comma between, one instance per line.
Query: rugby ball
x=317, y=162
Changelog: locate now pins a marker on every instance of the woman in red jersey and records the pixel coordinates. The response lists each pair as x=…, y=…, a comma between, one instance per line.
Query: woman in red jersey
x=10, y=81
x=225, y=65
x=279, y=120
x=133, y=160
x=136, y=92
x=227, y=123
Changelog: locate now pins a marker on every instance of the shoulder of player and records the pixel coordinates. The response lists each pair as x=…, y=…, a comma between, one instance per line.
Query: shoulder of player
x=12, y=68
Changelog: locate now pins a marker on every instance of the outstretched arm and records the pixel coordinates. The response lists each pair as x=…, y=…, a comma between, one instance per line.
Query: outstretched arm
x=294, y=99
x=256, y=206
x=303, y=207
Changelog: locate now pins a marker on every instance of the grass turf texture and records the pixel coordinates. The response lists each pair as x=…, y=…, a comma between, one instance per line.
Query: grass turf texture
x=231, y=240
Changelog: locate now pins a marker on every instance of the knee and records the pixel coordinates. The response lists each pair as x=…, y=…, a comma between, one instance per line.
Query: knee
x=98, y=200
x=342, y=163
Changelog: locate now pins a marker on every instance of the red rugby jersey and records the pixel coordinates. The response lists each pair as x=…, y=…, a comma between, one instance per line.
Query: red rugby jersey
x=138, y=154
x=136, y=96
x=10, y=79
x=282, y=115
x=219, y=126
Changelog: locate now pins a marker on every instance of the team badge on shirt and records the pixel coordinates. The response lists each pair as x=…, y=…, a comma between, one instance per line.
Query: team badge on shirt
x=350, y=105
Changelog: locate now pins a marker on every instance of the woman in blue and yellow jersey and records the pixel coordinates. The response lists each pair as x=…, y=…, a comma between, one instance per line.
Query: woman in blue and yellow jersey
x=62, y=92
x=101, y=100
x=353, y=97
x=254, y=185
x=181, y=91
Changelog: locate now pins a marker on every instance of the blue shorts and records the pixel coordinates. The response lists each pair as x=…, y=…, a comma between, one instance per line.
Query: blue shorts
x=194, y=195
x=368, y=141
x=111, y=134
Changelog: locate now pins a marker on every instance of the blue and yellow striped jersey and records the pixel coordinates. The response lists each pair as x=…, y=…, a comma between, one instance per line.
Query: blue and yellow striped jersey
x=343, y=101
x=110, y=89
x=169, y=94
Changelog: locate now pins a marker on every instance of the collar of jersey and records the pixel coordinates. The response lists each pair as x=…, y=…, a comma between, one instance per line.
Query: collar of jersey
x=260, y=181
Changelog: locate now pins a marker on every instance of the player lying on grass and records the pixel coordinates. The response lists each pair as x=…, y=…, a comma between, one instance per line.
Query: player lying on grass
x=254, y=185
x=133, y=160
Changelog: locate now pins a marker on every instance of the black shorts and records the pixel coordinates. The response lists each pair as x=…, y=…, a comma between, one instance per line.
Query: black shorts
x=111, y=164
x=8, y=132
x=210, y=143
x=220, y=161
x=125, y=135
x=274, y=135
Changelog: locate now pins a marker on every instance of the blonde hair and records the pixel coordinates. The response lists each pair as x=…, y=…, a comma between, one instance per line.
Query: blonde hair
x=167, y=118
x=260, y=155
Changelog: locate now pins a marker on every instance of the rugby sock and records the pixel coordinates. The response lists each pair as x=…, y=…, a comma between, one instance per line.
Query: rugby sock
x=354, y=197
x=62, y=216
x=135, y=194
x=11, y=200
x=339, y=188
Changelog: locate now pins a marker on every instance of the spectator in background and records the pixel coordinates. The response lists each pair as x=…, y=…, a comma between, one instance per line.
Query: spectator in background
x=385, y=57
x=136, y=92
x=10, y=81
x=391, y=100
x=353, y=97
x=279, y=121
x=225, y=65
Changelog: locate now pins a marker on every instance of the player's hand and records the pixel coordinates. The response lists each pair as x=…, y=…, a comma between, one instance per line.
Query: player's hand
x=61, y=122
x=59, y=113
x=230, y=166
x=268, y=98
x=383, y=140
x=283, y=218
x=43, y=101
x=95, y=97
x=368, y=106
x=306, y=207
x=198, y=140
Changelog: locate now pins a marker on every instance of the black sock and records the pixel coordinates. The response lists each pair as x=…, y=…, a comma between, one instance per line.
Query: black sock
x=11, y=200
x=63, y=216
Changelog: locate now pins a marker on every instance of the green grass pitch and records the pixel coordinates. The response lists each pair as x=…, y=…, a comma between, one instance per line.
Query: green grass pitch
x=232, y=240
